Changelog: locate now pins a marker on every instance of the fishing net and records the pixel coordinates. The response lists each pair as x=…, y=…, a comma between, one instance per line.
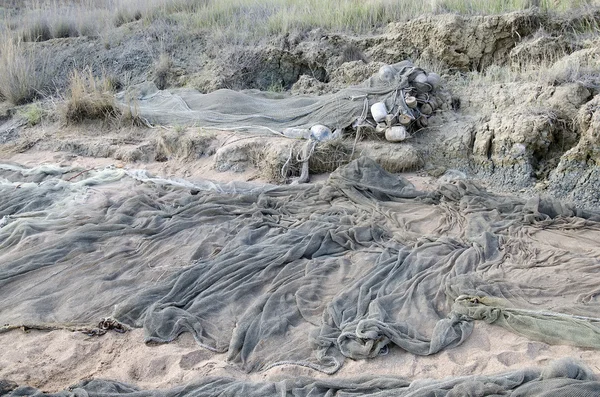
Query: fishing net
x=309, y=275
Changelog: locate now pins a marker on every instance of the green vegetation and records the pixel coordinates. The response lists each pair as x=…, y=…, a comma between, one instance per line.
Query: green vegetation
x=33, y=114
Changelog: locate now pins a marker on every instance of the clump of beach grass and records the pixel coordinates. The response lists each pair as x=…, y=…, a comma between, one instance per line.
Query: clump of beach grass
x=89, y=98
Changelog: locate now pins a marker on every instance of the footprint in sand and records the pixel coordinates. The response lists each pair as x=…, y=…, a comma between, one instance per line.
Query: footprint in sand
x=511, y=358
x=189, y=360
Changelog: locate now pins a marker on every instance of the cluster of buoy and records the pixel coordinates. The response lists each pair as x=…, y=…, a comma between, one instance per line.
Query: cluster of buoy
x=405, y=100
x=411, y=106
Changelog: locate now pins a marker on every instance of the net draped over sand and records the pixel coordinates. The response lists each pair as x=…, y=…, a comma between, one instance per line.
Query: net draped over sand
x=310, y=275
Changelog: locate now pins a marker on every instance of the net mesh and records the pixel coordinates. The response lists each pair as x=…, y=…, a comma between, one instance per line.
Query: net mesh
x=309, y=275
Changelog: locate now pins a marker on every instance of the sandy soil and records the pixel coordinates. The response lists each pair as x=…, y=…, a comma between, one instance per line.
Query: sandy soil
x=55, y=360
x=202, y=168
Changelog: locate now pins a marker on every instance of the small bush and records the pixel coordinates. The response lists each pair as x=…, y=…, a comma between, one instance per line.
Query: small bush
x=131, y=115
x=33, y=114
x=89, y=98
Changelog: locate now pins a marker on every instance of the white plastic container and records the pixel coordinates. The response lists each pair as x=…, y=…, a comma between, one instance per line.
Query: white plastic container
x=320, y=133
x=297, y=133
x=378, y=111
x=395, y=134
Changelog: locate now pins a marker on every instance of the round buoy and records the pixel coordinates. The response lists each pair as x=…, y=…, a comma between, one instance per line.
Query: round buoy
x=395, y=134
x=320, y=132
x=411, y=102
x=422, y=122
x=404, y=119
x=434, y=79
x=422, y=87
x=387, y=73
x=426, y=109
x=421, y=78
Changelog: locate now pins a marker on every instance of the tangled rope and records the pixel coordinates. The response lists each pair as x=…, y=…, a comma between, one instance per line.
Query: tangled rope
x=302, y=158
x=105, y=325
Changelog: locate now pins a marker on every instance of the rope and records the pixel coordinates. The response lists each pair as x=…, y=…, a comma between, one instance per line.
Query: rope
x=337, y=365
x=105, y=325
x=307, y=152
x=285, y=165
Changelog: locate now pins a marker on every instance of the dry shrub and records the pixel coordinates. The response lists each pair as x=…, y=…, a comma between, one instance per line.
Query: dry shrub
x=37, y=31
x=131, y=115
x=184, y=145
x=23, y=76
x=284, y=162
x=162, y=69
x=89, y=98
x=352, y=53
x=125, y=15
x=330, y=155
x=64, y=28
x=276, y=163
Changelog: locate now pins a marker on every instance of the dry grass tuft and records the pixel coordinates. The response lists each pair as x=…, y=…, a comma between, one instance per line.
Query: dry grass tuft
x=23, y=76
x=125, y=15
x=282, y=162
x=248, y=19
x=184, y=145
x=162, y=68
x=330, y=155
x=89, y=98
x=131, y=115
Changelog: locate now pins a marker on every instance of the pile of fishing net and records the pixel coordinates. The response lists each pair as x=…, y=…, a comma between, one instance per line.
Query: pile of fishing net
x=397, y=101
